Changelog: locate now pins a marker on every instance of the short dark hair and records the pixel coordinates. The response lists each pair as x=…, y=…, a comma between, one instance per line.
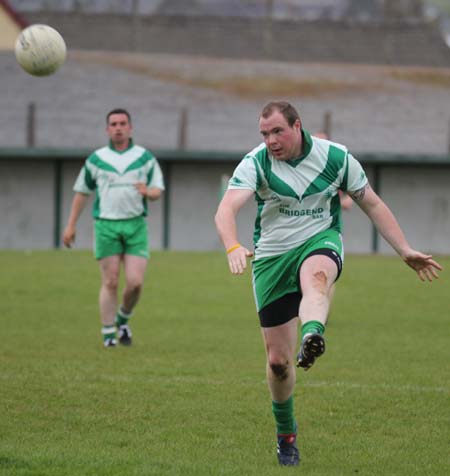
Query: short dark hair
x=118, y=111
x=286, y=109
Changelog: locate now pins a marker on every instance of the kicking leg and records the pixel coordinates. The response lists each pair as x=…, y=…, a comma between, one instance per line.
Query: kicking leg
x=317, y=276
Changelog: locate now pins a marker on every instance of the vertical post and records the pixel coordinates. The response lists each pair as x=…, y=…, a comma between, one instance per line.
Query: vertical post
x=31, y=125
x=327, y=123
x=57, y=199
x=268, y=30
x=135, y=25
x=166, y=206
x=182, y=129
x=376, y=188
x=449, y=136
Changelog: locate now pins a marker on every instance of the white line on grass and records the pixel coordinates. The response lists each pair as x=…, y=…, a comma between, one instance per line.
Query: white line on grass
x=193, y=379
x=383, y=386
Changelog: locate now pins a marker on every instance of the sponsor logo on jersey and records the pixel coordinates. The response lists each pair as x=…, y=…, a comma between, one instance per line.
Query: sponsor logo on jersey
x=310, y=212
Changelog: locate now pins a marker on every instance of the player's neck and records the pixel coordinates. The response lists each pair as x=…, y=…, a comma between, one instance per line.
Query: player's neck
x=121, y=146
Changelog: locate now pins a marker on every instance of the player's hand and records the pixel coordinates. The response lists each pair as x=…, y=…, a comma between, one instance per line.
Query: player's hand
x=423, y=265
x=141, y=187
x=69, y=236
x=237, y=259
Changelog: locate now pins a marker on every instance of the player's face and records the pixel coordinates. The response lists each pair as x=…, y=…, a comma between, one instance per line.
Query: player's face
x=119, y=130
x=283, y=141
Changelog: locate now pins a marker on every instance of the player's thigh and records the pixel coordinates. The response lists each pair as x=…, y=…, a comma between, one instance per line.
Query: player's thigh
x=134, y=268
x=110, y=269
x=318, y=273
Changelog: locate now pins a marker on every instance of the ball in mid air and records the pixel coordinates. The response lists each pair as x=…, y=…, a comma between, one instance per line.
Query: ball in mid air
x=40, y=50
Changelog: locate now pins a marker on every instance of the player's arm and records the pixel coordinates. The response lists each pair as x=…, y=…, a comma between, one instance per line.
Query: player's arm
x=388, y=227
x=78, y=203
x=154, y=193
x=153, y=189
x=225, y=220
x=151, y=193
x=345, y=199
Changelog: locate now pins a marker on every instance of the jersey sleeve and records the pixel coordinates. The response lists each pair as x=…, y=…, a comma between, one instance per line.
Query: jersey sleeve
x=356, y=177
x=155, y=177
x=244, y=176
x=85, y=182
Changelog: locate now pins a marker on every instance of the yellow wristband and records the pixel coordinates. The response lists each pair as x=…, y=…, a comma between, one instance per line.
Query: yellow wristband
x=235, y=247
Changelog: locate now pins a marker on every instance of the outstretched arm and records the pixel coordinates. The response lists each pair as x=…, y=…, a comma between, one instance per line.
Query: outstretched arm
x=225, y=220
x=387, y=225
x=78, y=203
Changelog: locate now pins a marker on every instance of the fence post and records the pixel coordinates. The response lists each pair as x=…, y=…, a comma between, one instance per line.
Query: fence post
x=31, y=125
x=268, y=33
x=166, y=205
x=376, y=186
x=448, y=136
x=136, y=26
x=327, y=123
x=57, y=202
x=182, y=129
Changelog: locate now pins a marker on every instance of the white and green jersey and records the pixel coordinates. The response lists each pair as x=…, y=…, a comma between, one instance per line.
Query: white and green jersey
x=298, y=198
x=113, y=175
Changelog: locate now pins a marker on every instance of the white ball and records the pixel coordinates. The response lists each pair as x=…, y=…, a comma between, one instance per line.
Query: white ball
x=40, y=50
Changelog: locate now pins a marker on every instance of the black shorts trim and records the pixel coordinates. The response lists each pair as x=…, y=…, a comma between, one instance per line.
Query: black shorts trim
x=286, y=307
x=332, y=255
x=280, y=311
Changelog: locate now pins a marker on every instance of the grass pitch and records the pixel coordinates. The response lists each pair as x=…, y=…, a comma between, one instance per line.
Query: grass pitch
x=190, y=398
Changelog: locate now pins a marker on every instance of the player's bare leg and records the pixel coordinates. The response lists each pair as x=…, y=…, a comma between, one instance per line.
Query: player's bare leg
x=280, y=342
x=110, y=269
x=317, y=276
x=134, y=267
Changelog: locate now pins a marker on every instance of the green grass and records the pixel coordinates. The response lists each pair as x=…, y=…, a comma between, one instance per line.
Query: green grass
x=190, y=398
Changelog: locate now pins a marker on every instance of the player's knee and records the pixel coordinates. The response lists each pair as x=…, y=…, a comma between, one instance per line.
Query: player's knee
x=134, y=287
x=112, y=283
x=279, y=369
x=320, y=282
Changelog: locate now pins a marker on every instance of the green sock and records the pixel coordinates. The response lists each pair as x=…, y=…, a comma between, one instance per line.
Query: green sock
x=122, y=317
x=312, y=327
x=109, y=332
x=284, y=416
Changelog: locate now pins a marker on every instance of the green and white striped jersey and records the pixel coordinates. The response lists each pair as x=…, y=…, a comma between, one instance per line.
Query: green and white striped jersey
x=113, y=175
x=299, y=198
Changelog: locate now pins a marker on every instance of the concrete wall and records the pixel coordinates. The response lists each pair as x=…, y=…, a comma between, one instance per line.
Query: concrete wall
x=399, y=43
x=419, y=196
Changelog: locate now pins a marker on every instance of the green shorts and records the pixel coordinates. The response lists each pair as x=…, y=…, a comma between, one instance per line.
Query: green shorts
x=116, y=237
x=276, y=276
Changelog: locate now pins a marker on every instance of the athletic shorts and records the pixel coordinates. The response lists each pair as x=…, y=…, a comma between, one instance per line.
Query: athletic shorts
x=276, y=280
x=116, y=237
